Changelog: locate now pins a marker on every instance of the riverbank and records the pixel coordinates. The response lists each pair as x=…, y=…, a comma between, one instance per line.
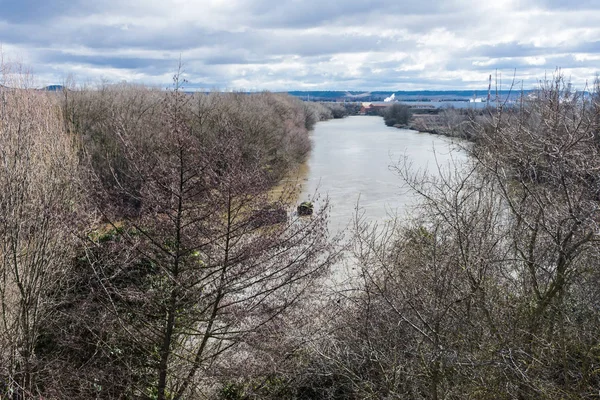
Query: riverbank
x=292, y=183
x=450, y=123
x=427, y=123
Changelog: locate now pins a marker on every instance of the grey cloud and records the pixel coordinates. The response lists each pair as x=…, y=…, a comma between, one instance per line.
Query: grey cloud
x=587, y=47
x=305, y=13
x=228, y=59
x=39, y=11
x=58, y=57
x=568, y=4
x=511, y=49
x=186, y=37
x=519, y=64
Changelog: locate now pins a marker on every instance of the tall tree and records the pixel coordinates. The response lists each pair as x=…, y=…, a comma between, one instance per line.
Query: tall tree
x=226, y=261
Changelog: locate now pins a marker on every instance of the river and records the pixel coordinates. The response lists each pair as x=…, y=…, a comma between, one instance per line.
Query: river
x=350, y=164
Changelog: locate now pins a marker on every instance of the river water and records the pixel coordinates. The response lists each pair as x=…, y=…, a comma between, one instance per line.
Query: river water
x=350, y=164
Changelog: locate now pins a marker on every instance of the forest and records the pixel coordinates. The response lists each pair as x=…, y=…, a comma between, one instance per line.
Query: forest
x=144, y=254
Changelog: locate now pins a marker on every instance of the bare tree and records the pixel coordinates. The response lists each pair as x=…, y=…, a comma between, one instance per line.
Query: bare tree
x=38, y=170
x=226, y=260
x=543, y=159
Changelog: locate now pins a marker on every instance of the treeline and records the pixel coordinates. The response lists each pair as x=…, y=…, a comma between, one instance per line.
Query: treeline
x=273, y=128
x=454, y=122
x=447, y=121
x=324, y=111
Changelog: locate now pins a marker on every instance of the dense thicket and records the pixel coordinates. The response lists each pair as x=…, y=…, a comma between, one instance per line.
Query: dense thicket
x=274, y=126
x=143, y=254
x=397, y=114
x=322, y=111
x=39, y=204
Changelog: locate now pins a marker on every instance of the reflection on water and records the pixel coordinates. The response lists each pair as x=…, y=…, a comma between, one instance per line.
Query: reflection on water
x=351, y=159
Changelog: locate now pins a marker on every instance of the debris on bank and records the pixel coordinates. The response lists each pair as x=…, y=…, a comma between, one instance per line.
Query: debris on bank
x=305, y=208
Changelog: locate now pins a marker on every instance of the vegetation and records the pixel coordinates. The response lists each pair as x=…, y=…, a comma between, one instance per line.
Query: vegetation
x=143, y=256
x=397, y=114
x=323, y=111
x=450, y=121
x=39, y=209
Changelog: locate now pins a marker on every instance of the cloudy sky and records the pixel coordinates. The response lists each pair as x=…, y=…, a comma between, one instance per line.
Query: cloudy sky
x=304, y=44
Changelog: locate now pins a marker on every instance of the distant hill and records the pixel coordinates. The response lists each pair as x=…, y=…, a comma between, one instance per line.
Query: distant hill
x=417, y=95
x=54, y=88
